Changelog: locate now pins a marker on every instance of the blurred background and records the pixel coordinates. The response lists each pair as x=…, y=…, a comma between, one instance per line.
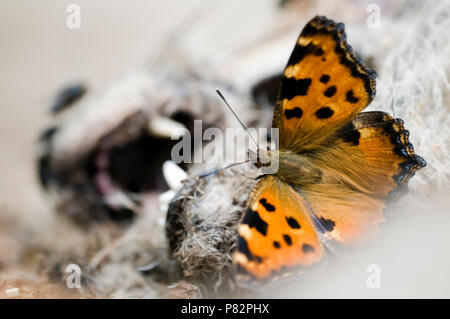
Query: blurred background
x=237, y=44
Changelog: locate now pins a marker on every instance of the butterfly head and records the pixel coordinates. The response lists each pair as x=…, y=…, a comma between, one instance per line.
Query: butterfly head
x=261, y=158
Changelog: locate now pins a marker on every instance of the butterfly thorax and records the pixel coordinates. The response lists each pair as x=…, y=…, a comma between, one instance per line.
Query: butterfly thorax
x=293, y=168
x=296, y=169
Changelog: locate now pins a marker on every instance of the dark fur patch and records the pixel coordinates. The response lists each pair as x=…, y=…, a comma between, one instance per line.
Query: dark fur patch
x=48, y=134
x=324, y=112
x=67, y=97
x=253, y=220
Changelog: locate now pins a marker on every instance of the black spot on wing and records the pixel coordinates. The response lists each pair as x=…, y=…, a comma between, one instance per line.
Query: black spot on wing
x=350, y=134
x=267, y=206
x=293, y=223
x=330, y=91
x=291, y=87
x=307, y=248
x=253, y=220
x=350, y=97
x=352, y=137
x=301, y=51
x=287, y=239
x=243, y=248
x=324, y=112
x=276, y=244
x=399, y=139
x=318, y=52
x=324, y=78
x=295, y=112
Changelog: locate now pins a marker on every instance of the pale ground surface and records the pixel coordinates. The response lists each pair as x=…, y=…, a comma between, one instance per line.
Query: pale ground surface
x=39, y=55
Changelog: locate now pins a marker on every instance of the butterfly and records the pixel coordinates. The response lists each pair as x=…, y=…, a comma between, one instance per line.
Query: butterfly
x=338, y=166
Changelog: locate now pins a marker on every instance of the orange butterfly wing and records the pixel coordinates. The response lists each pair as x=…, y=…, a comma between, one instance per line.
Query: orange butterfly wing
x=277, y=231
x=323, y=86
x=369, y=163
x=381, y=144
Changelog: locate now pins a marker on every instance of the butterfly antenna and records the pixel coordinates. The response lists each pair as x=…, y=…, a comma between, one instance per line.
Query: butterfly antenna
x=220, y=169
x=245, y=128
